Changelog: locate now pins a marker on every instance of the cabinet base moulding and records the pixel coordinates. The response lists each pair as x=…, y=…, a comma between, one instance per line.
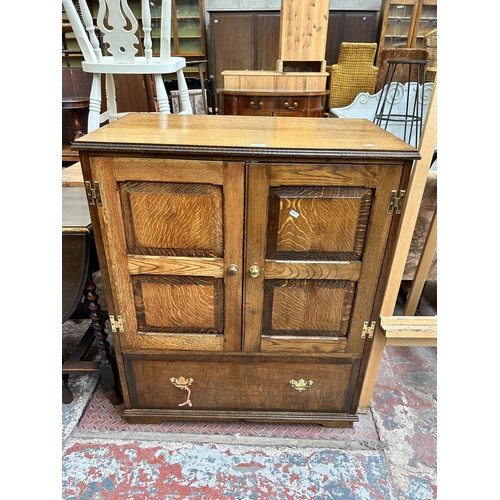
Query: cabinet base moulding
x=158, y=416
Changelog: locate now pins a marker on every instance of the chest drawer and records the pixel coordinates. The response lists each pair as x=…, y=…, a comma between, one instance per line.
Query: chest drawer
x=272, y=105
x=241, y=382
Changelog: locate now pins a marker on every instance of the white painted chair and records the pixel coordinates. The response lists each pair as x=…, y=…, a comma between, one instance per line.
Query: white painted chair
x=118, y=24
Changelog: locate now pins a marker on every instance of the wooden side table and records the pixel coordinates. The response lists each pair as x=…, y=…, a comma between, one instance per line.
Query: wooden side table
x=272, y=103
x=79, y=262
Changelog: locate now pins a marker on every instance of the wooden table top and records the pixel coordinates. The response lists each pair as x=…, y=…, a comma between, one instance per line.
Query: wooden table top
x=75, y=209
x=260, y=136
x=72, y=176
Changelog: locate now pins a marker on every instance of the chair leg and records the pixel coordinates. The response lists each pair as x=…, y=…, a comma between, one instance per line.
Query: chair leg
x=94, y=119
x=183, y=89
x=111, y=97
x=161, y=95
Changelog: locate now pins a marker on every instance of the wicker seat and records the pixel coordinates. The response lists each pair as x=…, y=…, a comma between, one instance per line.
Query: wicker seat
x=430, y=41
x=354, y=73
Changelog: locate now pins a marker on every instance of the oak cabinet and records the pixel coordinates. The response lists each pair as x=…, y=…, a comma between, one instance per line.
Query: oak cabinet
x=242, y=260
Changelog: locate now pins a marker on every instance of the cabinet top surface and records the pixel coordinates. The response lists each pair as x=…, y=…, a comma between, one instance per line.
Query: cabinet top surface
x=258, y=136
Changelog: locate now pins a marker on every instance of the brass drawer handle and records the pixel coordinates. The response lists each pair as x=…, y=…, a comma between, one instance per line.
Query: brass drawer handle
x=232, y=270
x=258, y=106
x=254, y=271
x=183, y=383
x=301, y=385
x=287, y=106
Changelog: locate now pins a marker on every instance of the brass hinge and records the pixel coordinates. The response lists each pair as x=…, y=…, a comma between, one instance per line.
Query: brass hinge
x=118, y=324
x=396, y=202
x=368, y=330
x=93, y=193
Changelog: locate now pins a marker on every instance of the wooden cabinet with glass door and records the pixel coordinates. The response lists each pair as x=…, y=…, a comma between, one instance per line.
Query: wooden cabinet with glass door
x=404, y=23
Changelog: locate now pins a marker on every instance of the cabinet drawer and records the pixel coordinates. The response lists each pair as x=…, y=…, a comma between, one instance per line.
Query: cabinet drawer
x=241, y=382
x=270, y=105
x=256, y=105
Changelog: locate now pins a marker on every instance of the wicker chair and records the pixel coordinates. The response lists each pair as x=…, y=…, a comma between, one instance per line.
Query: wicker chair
x=354, y=73
x=430, y=41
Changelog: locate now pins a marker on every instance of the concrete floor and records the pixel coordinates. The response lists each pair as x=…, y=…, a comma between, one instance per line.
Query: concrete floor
x=389, y=454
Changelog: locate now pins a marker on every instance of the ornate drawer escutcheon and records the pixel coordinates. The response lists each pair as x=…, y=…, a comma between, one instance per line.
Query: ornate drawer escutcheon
x=301, y=385
x=183, y=383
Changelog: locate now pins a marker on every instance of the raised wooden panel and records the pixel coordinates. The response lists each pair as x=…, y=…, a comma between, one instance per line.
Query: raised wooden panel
x=173, y=219
x=318, y=223
x=239, y=381
x=175, y=304
x=314, y=308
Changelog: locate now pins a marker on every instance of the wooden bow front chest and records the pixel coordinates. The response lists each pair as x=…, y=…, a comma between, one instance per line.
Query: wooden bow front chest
x=243, y=260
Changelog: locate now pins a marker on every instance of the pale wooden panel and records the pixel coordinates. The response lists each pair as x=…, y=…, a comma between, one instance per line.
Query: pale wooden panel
x=181, y=266
x=300, y=346
x=412, y=342
x=312, y=270
x=303, y=30
x=409, y=327
x=423, y=267
x=72, y=176
x=331, y=174
x=154, y=169
x=274, y=80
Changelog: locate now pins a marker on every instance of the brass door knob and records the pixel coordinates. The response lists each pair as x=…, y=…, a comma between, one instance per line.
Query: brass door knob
x=232, y=270
x=254, y=271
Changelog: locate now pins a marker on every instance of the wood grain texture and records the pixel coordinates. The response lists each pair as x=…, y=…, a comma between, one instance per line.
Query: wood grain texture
x=167, y=170
x=178, y=304
x=312, y=270
x=188, y=266
x=274, y=81
x=234, y=216
x=301, y=346
x=330, y=174
x=318, y=223
x=304, y=29
x=172, y=218
x=307, y=307
x=272, y=138
x=249, y=383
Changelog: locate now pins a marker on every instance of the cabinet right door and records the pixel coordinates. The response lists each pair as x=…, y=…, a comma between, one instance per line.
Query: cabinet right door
x=315, y=242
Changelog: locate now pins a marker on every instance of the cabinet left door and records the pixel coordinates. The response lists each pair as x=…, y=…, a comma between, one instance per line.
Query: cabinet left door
x=174, y=271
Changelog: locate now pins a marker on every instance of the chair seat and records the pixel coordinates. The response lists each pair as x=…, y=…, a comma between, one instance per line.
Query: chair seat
x=140, y=67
